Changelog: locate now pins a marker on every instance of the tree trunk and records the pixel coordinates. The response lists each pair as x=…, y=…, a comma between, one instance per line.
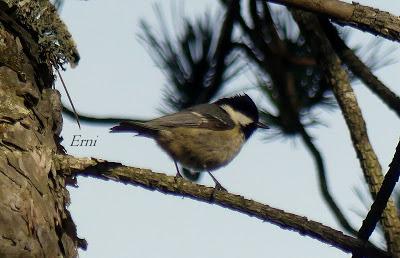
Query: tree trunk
x=34, y=221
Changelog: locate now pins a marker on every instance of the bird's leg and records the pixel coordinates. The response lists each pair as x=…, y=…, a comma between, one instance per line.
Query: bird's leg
x=218, y=186
x=178, y=174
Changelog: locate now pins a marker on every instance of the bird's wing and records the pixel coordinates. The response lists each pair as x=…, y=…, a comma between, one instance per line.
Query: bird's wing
x=209, y=116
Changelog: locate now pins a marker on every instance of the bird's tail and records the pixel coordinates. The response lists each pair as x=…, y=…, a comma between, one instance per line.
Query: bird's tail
x=134, y=127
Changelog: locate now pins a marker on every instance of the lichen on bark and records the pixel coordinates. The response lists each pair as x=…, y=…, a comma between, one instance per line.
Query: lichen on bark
x=41, y=18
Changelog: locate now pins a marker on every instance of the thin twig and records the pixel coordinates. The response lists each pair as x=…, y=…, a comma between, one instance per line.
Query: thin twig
x=71, y=166
x=323, y=184
x=94, y=120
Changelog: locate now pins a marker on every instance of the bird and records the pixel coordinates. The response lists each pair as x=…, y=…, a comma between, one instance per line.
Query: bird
x=204, y=137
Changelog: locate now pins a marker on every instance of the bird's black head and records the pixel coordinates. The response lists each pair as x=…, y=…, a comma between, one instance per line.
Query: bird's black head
x=243, y=112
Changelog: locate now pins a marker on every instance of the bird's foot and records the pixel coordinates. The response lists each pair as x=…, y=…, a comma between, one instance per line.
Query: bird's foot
x=177, y=177
x=178, y=174
x=219, y=187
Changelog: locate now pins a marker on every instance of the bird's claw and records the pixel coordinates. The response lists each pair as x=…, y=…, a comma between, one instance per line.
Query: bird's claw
x=219, y=187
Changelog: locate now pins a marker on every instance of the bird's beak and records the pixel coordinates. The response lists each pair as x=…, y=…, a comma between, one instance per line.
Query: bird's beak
x=261, y=125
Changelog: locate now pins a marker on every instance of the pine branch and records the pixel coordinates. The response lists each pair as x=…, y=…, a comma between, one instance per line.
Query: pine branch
x=224, y=48
x=271, y=59
x=277, y=54
x=71, y=166
x=337, y=78
x=358, y=68
x=362, y=17
x=377, y=208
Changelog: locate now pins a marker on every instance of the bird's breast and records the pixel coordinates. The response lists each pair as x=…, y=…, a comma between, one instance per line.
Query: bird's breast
x=201, y=149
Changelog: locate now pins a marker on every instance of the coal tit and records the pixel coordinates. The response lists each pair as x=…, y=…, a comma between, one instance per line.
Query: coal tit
x=203, y=137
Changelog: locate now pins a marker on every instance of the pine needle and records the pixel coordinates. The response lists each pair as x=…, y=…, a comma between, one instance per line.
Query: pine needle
x=69, y=98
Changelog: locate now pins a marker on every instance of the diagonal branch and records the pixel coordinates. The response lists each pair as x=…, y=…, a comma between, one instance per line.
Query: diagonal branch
x=359, y=69
x=382, y=198
x=359, y=16
x=337, y=78
x=71, y=166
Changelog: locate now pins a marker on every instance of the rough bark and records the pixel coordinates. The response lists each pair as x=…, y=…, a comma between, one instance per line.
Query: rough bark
x=180, y=187
x=359, y=16
x=34, y=221
x=338, y=79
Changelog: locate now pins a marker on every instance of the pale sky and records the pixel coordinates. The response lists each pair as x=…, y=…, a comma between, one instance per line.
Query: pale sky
x=116, y=77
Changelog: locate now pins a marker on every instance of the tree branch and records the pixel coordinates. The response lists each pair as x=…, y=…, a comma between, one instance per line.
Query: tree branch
x=71, y=166
x=359, y=69
x=375, y=213
x=337, y=78
x=359, y=16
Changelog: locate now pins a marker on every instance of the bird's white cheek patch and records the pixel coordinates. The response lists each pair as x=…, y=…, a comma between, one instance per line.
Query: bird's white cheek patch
x=237, y=117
